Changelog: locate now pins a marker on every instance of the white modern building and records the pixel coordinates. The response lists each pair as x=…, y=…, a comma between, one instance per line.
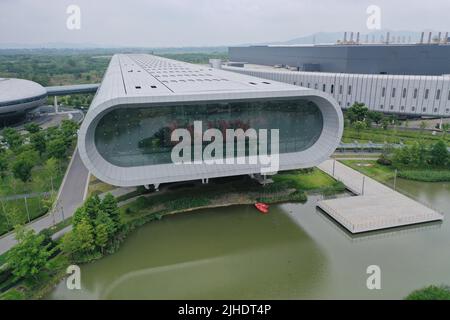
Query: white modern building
x=398, y=94
x=18, y=96
x=125, y=139
x=403, y=79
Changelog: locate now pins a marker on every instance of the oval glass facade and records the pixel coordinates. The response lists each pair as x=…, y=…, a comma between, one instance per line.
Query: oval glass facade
x=139, y=136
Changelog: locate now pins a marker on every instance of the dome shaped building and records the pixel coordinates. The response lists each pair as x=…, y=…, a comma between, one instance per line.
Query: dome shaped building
x=18, y=96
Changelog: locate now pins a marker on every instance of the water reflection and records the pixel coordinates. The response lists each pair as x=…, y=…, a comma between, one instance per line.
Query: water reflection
x=212, y=254
x=293, y=252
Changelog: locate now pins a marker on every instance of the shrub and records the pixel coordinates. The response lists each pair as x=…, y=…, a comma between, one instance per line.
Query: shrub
x=430, y=293
x=384, y=161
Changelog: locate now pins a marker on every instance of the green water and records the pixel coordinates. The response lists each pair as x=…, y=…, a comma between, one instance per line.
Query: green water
x=295, y=252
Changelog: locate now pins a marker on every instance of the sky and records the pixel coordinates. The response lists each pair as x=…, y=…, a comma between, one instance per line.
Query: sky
x=180, y=23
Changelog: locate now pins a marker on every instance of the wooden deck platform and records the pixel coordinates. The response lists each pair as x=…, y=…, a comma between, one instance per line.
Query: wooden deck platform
x=375, y=205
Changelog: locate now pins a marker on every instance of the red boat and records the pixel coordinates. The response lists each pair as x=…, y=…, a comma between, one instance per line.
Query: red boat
x=263, y=207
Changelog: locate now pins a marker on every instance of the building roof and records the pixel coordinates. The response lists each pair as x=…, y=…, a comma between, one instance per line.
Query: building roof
x=143, y=75
x=17, y=89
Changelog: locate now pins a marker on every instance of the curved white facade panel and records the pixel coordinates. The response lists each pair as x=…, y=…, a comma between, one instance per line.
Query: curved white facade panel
x=18, y=96
x=125, y=137
x=399, y=94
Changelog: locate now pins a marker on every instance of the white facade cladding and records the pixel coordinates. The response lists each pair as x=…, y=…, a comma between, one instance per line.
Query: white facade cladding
x=18, y=96
x=399, y=94
x=142, y=98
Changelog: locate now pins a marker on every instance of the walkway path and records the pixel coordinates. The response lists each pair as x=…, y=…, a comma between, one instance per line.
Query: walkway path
x=70, y=197
x=375, y=207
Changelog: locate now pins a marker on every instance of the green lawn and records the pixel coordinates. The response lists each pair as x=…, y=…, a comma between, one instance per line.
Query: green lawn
x=316, y=179
x=380, y=135
x=10, y=186
x=385, y=173
x=371, y=168
x=97, y=187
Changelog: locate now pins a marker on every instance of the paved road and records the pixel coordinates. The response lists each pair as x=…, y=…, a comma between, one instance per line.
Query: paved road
x=70, y=198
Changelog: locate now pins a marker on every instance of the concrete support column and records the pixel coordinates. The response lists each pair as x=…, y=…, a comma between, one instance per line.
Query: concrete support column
x=55, y=99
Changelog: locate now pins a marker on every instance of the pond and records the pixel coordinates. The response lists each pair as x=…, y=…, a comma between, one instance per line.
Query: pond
x=294, y=252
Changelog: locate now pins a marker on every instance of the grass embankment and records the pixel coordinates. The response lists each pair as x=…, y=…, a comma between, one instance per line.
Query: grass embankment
x=379, y=135
x=97, y=187
x=287, y=186
x=39, y=286
x=385, y=173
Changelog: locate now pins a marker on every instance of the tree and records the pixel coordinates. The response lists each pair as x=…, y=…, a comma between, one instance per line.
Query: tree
x=32, y=127
x=57, y=148
x=101, y=236
x=14, y=216
x=95, y=224
x=30, y=255
x=38, y=142
x=80, y=240
x=3, y=165
x=445, y=129
x=12, y=138
x=359, y=126
x=357, y=112
x=401, y=156
x=50, y=170
x=423, y=125
x=105, y=220
x=385, y=123
x=417, y=154
x=109, y=206
x=92, y=206
x=23, y=165
x=439, y=154
x=430, y=293
x=69, y=130
x=375, y=116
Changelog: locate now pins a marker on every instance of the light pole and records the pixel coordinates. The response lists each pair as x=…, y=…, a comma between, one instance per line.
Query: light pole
x=62, y=212
x=395, y=179
x=334, y=165
x=362, y=189
x=26, y=207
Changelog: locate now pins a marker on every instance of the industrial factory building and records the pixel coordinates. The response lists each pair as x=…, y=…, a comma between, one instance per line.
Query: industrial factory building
x=401, y=78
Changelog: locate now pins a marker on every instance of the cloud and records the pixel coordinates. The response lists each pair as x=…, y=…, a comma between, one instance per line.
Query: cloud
x=205, y=22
